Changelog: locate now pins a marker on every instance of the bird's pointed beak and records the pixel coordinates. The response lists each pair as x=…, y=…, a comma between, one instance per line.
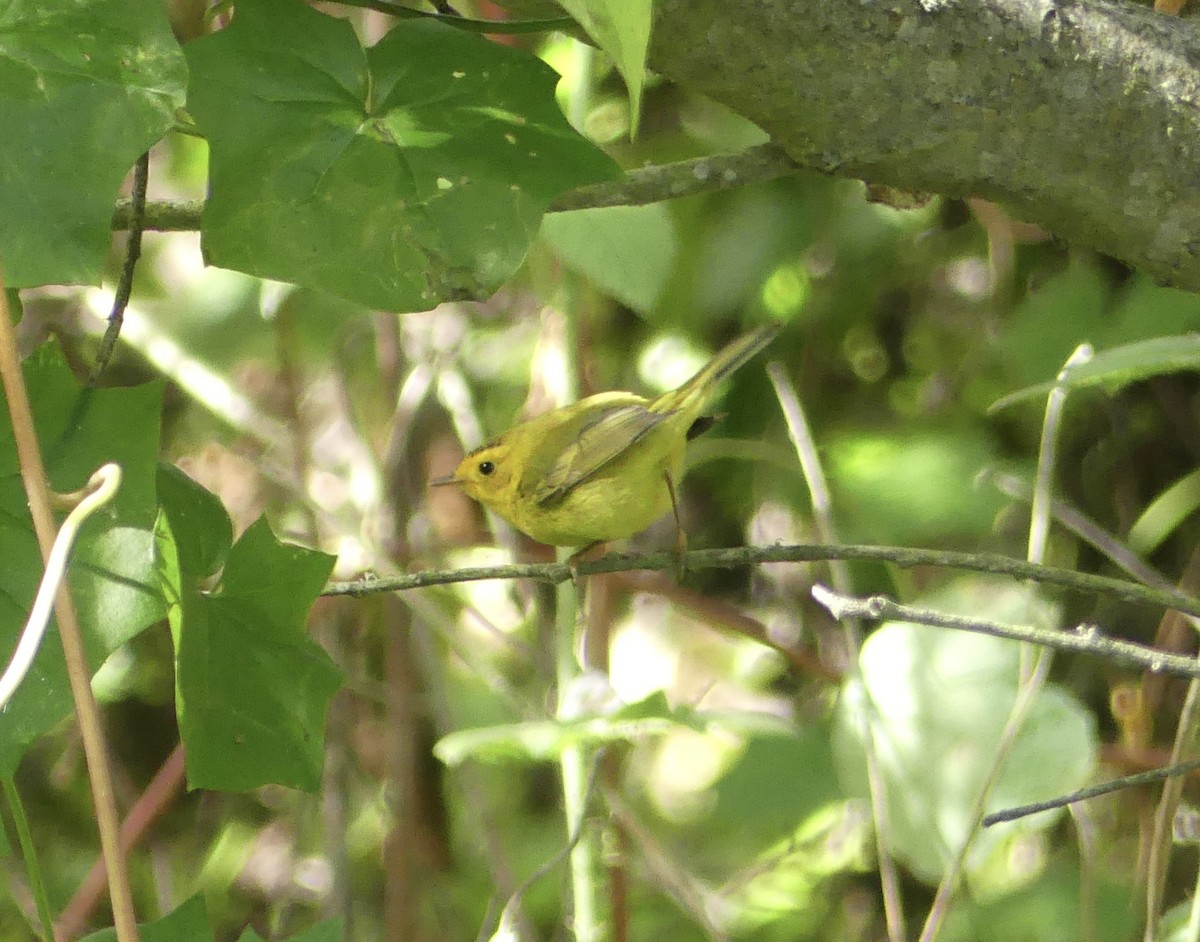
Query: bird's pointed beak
x=445, y=479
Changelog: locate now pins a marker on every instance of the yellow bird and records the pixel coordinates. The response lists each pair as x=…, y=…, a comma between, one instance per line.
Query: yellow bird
x=603, y=468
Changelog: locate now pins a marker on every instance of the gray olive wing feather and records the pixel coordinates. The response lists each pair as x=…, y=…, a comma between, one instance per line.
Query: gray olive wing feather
x=598, y=443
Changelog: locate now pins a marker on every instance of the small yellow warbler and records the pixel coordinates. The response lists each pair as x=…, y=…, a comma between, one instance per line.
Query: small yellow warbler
x=603, y=468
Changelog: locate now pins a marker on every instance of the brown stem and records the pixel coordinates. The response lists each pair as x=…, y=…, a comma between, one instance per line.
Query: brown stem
x=37, y=490
x=163, y=789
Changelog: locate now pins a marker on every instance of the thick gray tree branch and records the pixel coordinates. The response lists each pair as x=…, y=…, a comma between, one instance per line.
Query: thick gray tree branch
x=1080, y=116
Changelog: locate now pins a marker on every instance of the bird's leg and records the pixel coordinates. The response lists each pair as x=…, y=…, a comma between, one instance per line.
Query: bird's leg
x=577, y=557
x=681, y=543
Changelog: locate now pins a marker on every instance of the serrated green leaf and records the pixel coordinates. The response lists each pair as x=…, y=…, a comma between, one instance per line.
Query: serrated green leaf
x=112, y=568
x=622, y=29
x=195, y=511
x=253, y=687
x=85, y=87
x=1119, y=367
x=939, y=701
x=187, y=923
x=399, y=176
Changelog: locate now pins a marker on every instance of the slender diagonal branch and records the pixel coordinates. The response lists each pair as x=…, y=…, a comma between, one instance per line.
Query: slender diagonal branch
x=1086, y=639
x=133, y=251
x=636, y=188
x=1150, y=777
x=904, y=557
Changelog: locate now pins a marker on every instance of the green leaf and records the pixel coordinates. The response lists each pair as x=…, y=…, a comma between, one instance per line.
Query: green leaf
x=622, y=29
x=399, y=176
x=187, y=923
x=938, y=702
x=1038, y=336
x=1120, y=367
x=253, y=687
x=539, y=740
x=780, y=778
x=330, y=931
x=112, y=568
x=882, y=482
x=85, y=88
x=1164, y=514
x=1056, y=899
x=195, y=511
x=628, y=251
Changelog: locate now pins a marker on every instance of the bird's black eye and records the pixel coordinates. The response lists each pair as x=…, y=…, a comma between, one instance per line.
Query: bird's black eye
x=486, y=468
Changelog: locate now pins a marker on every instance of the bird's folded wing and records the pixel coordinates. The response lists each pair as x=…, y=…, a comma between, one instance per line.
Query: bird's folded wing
x=601, y=441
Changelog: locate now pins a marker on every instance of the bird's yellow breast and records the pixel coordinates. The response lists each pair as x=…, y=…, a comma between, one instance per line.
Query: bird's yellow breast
x=621, y=499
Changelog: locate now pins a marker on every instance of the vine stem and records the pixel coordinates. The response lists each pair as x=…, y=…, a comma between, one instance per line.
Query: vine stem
x=808, y=455
x=37, y=883
x=1164, y=814
x=1034, y=668
x=37, y=490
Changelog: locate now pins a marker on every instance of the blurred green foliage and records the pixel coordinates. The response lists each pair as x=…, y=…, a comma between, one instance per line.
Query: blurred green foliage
x=902, y=327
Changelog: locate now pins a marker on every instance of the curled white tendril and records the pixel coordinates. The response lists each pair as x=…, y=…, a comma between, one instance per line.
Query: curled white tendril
x=101, y=488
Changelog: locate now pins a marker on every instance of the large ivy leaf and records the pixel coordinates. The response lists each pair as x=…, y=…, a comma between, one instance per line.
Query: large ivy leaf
x=628, y=251
x=622, y=29
x=938, y=701
x=85, y=87
x=187, y=923
x=398, y=176
x=112, y=569
x=252, y=687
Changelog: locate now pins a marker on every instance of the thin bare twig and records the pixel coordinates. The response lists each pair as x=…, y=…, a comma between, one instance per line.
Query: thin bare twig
x=637, y=188
x=1086, y=639
x=729, y=558
x=133, y=251
x=1093, y=791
